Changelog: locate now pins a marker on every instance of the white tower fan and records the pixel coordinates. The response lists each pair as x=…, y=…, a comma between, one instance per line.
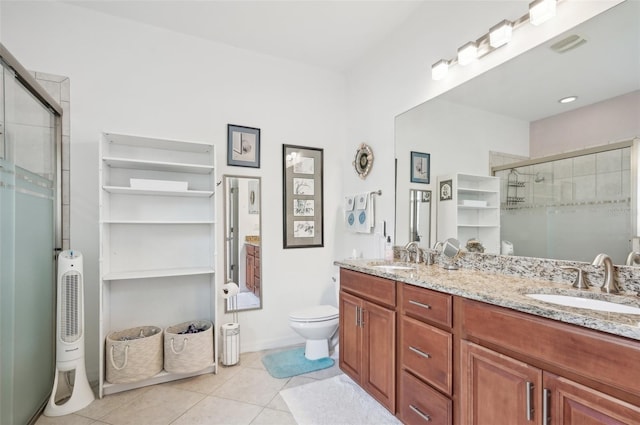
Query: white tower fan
x=70, y=336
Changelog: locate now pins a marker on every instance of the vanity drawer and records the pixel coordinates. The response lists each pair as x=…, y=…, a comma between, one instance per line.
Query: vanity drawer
x=427, y=305
x=250, y=249
x=373, y=288
x=426, y=351
x=421, y=404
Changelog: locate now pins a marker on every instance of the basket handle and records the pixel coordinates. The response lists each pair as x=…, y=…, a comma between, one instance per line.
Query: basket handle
x=184, y=346
x=126, y=357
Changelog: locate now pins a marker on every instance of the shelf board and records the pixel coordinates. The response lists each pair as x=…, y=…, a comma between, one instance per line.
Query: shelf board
x=155, y=143
x=146, y=274
x=474, y=190
x=157, y=222
x=161, y=377
x=140, y=164
x=124, y=190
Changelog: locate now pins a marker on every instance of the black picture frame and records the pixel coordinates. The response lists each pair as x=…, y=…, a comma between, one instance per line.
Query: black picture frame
x=302, y=197
x=446, y=190
x=420, y=167
x=243, y=146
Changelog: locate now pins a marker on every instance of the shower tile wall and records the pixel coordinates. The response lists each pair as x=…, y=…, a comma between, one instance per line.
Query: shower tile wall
x=588, y=178
x=59, y=88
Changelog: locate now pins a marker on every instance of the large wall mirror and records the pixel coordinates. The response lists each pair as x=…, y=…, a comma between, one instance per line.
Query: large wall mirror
x=242, y=224
x=496, y=120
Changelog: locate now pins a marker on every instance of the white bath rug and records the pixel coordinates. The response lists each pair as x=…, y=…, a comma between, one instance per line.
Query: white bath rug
x=335, y=401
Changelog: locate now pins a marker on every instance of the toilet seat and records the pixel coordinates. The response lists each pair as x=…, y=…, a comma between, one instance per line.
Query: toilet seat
x=318, y=313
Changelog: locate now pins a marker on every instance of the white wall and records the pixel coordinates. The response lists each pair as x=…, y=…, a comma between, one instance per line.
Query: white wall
x=132, y=78
x=136, y=79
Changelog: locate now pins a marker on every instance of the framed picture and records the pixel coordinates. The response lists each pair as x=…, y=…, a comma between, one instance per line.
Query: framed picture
x=243, y=146
x=420, y=167
x=446, y=190
x=303, y=225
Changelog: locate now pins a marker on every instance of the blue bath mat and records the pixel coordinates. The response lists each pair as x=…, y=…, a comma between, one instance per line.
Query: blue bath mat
x=285, y=364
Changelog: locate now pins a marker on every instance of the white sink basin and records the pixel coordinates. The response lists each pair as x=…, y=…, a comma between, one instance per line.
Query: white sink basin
x=587, y=303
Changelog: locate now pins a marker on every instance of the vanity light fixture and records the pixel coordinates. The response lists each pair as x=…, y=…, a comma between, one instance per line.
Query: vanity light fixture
x=500, y=34
x=468, y=53
x=568, y=99
x=541, y=11
x=440, y=69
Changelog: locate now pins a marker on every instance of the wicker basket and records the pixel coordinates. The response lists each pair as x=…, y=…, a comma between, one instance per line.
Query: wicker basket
x=137, y=357
x=186, y=353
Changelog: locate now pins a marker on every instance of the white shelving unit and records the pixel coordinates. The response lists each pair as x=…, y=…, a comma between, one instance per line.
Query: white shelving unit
x=472, y=212
x=157, y=247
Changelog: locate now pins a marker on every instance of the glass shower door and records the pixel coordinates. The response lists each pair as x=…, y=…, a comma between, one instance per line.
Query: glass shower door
x=27, y=243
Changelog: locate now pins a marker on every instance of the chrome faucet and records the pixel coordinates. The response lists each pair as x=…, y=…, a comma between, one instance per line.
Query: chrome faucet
x=416, y=251
x=609, y=285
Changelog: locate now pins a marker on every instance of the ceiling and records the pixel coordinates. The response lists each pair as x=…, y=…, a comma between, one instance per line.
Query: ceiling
x=329, y=34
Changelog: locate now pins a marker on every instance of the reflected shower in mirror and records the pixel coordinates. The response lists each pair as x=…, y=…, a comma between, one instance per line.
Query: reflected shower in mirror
x=420, y=217
x=242, y=223
x=570, y=206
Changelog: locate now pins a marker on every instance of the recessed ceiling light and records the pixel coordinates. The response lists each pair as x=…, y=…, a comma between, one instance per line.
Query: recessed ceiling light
x=568, y=99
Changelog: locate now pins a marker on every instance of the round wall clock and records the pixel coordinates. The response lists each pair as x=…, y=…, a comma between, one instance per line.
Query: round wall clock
x=363, y=161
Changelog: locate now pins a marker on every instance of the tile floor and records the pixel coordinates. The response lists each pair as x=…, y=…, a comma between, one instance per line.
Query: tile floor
x=244, y=394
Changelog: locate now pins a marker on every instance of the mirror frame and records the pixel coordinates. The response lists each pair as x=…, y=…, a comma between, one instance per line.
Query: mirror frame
x=225, y=183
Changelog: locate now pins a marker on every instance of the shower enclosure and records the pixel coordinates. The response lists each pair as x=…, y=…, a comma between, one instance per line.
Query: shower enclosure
x=573, y=205
x=30, y=139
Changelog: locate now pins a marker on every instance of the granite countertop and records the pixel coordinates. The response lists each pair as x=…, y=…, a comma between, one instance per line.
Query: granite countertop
x=509, y=291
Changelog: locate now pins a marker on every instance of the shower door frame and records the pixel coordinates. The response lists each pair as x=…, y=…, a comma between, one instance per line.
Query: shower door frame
x=13, y=69
x=30, y=83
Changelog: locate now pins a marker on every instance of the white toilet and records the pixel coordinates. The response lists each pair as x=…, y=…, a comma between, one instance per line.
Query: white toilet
x=317, y=325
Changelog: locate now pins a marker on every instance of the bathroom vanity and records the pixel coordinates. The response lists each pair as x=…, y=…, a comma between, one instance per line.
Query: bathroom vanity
x=469, y=347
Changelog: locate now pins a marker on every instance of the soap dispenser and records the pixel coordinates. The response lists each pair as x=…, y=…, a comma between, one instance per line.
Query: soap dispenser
x=388, y=249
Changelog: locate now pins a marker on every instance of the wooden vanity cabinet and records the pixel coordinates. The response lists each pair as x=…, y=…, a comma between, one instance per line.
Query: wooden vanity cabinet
x=368, y=334
x=252, y=272
x=501, y=389
x=425, y=348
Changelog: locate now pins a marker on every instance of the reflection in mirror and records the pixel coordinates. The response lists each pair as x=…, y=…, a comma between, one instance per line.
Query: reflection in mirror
x=549, y=205
x=242, y=241
x=512, y=113
x=420, y=217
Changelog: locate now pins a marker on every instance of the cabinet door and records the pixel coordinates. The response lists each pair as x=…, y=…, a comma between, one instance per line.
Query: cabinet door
x=250, y=268
x=350, y=336
x=379, y=350
x=497, y=389
x=575, y=404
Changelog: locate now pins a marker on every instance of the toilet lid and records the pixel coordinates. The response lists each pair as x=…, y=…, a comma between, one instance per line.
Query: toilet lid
x=315, y=314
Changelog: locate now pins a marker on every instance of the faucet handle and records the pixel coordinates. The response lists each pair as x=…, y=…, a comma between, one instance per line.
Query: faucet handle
x=580, y=282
